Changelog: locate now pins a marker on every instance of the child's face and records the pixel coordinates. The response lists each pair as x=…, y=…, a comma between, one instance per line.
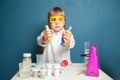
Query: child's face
x=57, y=23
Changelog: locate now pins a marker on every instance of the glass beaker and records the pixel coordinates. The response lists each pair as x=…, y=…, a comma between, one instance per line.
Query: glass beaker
x=39, y=59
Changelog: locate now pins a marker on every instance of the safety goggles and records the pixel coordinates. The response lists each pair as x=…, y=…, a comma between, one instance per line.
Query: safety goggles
x=57, y=19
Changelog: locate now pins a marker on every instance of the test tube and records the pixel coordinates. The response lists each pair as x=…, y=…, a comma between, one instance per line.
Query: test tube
x=86, y=46
x=62, y=42
x=47, y=27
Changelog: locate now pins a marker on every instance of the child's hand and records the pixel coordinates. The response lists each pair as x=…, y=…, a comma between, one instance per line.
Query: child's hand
x=47, y=35
x=66, y=36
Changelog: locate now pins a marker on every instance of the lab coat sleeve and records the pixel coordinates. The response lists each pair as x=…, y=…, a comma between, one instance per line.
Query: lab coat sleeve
x=39, y=40
x=72, y=42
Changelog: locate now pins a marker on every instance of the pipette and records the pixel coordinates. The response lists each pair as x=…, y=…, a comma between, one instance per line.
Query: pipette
x=62, y=42
x=51, y=44
x=47, y=27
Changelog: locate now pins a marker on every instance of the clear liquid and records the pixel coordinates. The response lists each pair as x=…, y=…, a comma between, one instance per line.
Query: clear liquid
x=24, y=74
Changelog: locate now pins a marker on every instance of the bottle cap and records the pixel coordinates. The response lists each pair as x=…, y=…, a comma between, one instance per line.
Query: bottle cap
x=27, y=55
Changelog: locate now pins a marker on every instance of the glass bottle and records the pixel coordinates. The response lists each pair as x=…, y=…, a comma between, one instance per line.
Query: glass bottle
x=27, y=60
x=26, y=66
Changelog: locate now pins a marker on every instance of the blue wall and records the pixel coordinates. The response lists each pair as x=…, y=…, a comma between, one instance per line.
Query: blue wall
x=97, y=21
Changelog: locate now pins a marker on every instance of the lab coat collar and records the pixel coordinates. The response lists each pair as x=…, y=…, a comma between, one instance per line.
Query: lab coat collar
x=60, y=32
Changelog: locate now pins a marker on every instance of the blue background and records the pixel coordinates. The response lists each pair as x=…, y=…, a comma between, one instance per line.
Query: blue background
x=97, y=21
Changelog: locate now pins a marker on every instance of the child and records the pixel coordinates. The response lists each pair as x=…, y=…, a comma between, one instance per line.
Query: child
x=53, y=51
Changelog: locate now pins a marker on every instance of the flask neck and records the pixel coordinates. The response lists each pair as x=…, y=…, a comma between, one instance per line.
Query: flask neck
x=27, y=59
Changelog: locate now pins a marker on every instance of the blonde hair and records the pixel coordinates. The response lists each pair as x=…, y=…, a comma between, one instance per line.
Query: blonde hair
x=55, y=11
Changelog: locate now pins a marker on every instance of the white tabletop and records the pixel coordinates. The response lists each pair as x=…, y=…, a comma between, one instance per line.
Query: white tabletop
x=70, y=73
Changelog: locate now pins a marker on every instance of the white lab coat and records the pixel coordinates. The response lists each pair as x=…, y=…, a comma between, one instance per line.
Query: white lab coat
x=54, y=52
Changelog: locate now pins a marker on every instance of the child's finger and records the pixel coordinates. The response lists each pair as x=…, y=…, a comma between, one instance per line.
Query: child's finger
x=67, y=33
x=66, y=36
x=66, y=39
x=50, y=37
x=47, y=32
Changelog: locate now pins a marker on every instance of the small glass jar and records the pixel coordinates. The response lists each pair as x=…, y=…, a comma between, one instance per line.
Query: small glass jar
x=35, y=72
x=56, y=70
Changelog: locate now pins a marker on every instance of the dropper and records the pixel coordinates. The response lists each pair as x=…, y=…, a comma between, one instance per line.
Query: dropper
x=47, y=27
x=51, y=42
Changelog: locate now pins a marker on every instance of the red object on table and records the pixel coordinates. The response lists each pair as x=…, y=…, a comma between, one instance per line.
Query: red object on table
x=64, y=63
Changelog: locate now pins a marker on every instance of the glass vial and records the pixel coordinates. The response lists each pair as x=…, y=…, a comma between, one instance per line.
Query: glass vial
x=56, y=70
x=86, y=51
x=49, y=69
